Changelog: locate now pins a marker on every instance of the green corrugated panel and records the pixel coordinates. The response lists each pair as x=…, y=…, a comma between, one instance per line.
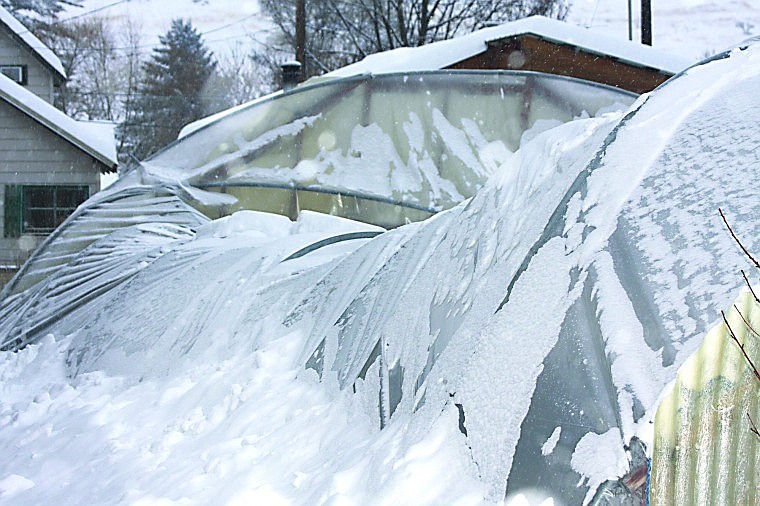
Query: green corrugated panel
x=704, y=449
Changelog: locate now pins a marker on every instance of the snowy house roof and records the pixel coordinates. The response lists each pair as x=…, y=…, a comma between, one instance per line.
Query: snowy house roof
x=442, y=54
x=93, y=141
x=32, y=43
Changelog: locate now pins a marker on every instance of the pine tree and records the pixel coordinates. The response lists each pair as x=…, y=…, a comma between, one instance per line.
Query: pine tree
x=171, y=92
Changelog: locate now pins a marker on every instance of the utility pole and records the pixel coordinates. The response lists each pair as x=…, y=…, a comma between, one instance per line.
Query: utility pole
x=301, y=36
x=646, y=22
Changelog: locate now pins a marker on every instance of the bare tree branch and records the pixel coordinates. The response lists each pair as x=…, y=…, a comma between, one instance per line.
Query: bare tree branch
x=753, y=427
x=746, y=252
x=340, y=32
x=750, y=287
x=741, y=347
x=746, y=323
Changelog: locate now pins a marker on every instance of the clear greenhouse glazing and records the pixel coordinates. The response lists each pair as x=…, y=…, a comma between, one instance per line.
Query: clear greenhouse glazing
x=383, y=149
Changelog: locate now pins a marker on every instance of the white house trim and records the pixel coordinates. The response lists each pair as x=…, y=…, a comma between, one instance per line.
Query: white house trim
x=32, y=43
x=101, y=147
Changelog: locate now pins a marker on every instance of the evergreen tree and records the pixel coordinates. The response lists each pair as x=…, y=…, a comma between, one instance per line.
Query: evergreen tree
x=171, y=93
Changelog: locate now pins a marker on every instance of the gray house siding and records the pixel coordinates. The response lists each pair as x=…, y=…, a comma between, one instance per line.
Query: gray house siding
x=39, y=77
x=31, y=154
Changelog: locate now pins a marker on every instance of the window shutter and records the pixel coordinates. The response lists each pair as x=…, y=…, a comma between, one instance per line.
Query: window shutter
x=13, y=211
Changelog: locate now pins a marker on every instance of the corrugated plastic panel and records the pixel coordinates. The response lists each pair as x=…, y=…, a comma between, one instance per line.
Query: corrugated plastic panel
x=704, y=449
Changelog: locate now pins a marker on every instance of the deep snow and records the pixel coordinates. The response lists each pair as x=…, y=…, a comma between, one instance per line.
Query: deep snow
x=566, y=293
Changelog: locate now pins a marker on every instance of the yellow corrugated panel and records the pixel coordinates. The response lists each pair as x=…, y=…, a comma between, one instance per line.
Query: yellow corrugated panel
x=704, y=449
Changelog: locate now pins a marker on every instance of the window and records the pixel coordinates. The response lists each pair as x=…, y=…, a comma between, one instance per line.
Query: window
x=38, y=210
x=16, y=73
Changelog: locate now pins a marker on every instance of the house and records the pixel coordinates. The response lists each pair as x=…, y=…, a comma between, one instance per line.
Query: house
x=26, y=60
x=536, y=44
x=49, y=162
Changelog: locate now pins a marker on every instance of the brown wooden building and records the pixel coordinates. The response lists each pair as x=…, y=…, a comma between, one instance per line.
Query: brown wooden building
x=536, y=44
x=532, y=52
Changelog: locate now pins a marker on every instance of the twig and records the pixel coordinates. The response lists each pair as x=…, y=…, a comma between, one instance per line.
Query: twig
x=749, y=286
x=754, y=427
x=741, y=347
x=754, y=261
x=748, y=325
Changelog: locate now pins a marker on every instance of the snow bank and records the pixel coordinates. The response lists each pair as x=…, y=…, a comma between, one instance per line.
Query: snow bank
x=510, y=347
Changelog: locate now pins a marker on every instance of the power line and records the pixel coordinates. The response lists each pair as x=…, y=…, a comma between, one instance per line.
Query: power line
x=143, y=46
x=593, y=15
x=77, y=16
x=231, y=24
x=87, y=13
x=223, y=39
x=141, y=94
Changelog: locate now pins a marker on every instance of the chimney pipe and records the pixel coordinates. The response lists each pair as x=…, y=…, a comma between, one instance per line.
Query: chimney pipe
x=301, y=35
x=291, y=74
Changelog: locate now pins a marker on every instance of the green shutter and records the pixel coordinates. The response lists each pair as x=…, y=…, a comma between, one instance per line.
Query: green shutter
x=13, y=210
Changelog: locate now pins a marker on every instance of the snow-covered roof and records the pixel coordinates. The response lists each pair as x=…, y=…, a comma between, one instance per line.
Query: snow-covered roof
x=32, y=42
x=94, y=141
x=442, y=54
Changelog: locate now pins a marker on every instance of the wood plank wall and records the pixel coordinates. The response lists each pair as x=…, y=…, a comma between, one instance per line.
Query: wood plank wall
x=527, y=52
x=32, y=154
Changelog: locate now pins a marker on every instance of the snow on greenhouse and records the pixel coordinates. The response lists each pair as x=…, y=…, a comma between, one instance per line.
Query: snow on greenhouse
x=513, y=346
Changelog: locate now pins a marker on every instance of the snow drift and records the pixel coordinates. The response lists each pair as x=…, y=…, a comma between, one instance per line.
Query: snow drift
x=513, y=346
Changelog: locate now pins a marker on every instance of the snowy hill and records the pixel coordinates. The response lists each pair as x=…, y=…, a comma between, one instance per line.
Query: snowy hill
x=694, y=28
x=225, y=24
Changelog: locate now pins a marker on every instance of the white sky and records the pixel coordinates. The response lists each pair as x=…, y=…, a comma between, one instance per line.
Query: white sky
x=691, y=27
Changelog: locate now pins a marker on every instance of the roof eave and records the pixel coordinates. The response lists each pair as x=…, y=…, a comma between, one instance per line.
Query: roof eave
x=59, y=73
x=633, y=63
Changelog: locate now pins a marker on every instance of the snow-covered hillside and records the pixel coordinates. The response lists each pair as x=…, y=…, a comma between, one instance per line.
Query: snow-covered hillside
x=692, y=28
x=225, y=24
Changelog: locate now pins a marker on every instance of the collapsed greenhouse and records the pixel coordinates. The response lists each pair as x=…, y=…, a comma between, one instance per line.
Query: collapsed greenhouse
x=384, y=149
x=536, y=324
